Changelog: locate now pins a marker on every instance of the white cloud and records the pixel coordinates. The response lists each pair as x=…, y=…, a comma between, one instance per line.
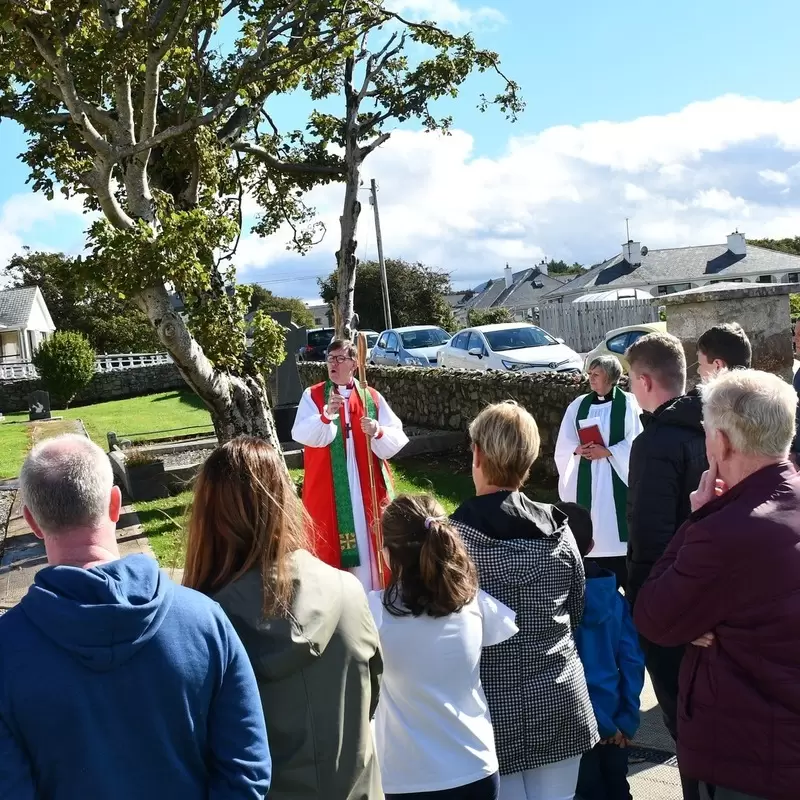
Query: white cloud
x=686, y=178
x=449, y=12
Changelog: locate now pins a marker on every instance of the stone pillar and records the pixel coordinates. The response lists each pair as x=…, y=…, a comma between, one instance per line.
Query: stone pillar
x=761, y=309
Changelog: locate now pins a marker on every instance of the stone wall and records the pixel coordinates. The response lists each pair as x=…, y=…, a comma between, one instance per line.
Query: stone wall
x=104, y=386
x=446, y=399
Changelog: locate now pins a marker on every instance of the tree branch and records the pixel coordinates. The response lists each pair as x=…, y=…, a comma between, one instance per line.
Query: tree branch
x=364, y=151
x=287, y=167
x=98, y=179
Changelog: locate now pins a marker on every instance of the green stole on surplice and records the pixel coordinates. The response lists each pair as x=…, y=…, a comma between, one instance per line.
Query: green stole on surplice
x=620, y=490
x=341, y=481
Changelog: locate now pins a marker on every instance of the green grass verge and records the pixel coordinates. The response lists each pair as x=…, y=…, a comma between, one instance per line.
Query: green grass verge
x=447, y=477
x=155, y=412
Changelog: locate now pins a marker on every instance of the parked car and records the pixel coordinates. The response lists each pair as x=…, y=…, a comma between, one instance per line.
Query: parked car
x=317, y=342
x=413, y=346
x=616, y=342
x=372, y=340
x=509, y=347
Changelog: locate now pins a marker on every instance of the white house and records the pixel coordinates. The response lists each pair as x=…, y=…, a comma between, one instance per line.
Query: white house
x=662, y=272
x=25, y=323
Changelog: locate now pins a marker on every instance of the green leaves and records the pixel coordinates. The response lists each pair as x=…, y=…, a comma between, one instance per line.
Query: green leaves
x=66, y=364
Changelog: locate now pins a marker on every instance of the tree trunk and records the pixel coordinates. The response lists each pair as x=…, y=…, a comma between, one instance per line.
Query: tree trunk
x=346, y=256
x=238, y=404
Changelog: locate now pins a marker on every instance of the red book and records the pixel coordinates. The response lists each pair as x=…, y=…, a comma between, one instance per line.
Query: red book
x=590, y=434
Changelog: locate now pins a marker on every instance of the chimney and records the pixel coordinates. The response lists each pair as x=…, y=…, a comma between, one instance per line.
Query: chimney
x=737, y=244
x=543, y=267
x=509, y=275
x=632, y=253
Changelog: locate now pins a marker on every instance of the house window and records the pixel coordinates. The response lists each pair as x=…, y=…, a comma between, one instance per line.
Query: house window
x=764, y=279
x=672, y=288
x=727, y=280
x=9, y=345
x=793, y=277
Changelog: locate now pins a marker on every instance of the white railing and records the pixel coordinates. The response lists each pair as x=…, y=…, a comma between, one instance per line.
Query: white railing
x=108, y=362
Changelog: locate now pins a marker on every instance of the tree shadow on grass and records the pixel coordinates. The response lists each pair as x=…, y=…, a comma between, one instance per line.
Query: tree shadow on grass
x=164, y=522
x=186, y=397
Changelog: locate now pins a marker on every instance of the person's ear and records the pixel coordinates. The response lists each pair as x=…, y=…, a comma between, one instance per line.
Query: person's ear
x=115, y=504
x=28, y=517
x=647, y=382
x=476, y=456
x=724, y=446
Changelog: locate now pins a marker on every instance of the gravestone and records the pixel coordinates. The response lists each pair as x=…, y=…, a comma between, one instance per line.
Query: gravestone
x=38, y=406
x=288, y=387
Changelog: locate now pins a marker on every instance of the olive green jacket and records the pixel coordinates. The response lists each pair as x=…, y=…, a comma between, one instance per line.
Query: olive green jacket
x=318, y=674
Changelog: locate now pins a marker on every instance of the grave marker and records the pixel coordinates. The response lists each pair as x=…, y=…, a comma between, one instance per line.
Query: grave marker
x=39, y=405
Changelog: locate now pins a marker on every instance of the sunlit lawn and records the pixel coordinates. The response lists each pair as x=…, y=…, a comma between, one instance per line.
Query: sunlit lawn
x=136, y=415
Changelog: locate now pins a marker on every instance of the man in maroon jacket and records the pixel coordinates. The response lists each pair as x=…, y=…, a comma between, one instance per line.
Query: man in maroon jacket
x=730, y=584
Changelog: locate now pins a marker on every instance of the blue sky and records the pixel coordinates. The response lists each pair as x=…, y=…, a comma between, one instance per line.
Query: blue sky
x=719, y=78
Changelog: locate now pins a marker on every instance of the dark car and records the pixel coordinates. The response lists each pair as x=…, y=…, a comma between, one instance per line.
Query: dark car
x=317, y=342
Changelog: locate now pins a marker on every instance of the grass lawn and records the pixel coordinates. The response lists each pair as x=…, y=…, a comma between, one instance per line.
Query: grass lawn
x=447, y=477
x=155, y=412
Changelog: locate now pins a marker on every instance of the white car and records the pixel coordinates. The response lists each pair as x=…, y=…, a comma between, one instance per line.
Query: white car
x=510, y=347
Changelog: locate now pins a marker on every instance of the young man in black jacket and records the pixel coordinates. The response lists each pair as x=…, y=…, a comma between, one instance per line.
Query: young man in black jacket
x=667, y=460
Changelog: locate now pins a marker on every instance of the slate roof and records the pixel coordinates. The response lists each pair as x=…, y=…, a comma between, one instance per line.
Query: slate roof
x=16, y=306
x=527, y=288
x=680, y=265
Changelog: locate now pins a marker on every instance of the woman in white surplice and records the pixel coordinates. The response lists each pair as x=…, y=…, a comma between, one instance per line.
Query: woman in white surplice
x=595, y=475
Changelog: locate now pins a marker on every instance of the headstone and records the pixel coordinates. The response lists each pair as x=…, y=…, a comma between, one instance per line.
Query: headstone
x=38, y=406
x=761, y=309
x=289, y=389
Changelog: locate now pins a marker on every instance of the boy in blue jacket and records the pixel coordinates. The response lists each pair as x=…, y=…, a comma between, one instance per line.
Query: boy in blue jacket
x=614, y=666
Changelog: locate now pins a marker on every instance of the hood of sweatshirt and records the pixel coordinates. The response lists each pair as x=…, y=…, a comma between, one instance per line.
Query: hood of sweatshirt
x=683, y=412
x=281, y=646
x=104, y=615
x=601, y=585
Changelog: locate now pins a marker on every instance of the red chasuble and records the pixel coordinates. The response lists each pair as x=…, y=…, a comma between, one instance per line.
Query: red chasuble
x=318, y=492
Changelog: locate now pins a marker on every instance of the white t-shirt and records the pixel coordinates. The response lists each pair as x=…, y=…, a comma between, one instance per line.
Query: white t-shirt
x=432, y=726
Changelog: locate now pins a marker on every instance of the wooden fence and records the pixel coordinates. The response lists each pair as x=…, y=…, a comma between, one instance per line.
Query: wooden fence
x=584, y=325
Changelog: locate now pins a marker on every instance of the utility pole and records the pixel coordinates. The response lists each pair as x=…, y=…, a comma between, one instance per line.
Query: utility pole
x=387, y=311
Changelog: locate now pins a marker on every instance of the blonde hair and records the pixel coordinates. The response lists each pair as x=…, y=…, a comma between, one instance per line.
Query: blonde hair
x=245, y=514
x=432, y=572
x=756, y=410
x=508, y=438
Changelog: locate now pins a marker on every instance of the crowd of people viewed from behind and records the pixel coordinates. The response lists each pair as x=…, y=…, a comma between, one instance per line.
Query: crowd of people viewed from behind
x=505, y=656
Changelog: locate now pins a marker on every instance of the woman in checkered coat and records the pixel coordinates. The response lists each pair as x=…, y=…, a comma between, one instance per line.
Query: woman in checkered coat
x=527, y=558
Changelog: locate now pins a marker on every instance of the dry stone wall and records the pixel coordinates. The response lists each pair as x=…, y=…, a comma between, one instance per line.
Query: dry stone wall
x=446, y=399
x=115, y=385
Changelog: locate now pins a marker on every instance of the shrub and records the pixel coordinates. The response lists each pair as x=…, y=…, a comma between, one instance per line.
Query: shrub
x=66, y=364
x=136, y=457
x=488, y=316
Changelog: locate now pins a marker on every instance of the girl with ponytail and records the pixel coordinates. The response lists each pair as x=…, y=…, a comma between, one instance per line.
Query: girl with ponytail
x=432, y=727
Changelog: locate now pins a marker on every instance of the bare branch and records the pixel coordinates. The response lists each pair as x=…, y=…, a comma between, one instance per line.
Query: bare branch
x=377, y=63
x=364, y=151
x=99, y=180
x=125, y=109
x=288, y=167
x=69, y=93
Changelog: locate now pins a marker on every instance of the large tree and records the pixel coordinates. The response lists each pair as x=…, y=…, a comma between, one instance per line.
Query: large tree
x=416, y=293
x=110, y=324
x=265, y=300
x=158, y=114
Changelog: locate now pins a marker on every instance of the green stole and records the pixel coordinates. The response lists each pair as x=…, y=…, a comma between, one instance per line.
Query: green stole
x=341, y=482
x=620, y=490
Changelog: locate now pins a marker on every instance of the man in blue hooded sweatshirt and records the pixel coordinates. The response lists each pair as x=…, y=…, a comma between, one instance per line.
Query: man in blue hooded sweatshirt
x=614, y=667
x=114, y=681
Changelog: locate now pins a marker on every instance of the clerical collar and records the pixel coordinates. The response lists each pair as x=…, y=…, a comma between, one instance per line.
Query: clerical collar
x=599, y=399
x=349, y=387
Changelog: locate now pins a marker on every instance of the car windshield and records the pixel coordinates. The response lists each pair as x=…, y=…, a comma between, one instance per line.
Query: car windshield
x=428, y=337
x=320, y=338
x=518, y=338
x=372, y=339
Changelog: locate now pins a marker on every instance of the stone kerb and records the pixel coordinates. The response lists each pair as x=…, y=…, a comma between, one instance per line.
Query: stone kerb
x=443, y=399
x=114, y=385
x=761, y=309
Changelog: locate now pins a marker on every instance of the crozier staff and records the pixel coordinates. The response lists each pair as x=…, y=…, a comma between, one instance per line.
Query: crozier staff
x=595, y=475
x=343, y=424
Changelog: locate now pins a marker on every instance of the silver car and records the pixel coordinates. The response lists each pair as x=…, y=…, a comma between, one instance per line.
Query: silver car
x=412, y=346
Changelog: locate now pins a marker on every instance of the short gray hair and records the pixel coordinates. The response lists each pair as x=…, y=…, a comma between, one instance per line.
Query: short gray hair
x=755, y=409
x=66, y=483
x=610, y=365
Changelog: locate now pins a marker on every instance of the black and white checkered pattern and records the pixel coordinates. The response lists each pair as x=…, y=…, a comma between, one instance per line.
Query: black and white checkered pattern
x=534, y=682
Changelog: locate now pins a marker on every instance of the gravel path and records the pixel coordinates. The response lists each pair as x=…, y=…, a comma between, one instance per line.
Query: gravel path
x=6, y=501
x=188, y=458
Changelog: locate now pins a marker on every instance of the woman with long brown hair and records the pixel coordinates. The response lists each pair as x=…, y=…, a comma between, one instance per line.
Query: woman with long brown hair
x=306, y=626
x=433, y=731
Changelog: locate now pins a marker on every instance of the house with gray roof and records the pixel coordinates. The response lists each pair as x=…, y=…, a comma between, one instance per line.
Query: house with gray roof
x=663, y=272
x=519, y=292
x=25, y=323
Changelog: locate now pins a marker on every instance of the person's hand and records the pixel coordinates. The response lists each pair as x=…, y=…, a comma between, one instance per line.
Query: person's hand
x=335, y=403
x=710, y=488
x=706, y=640
x=370, y=427
x=597, y=451
x=582, y=450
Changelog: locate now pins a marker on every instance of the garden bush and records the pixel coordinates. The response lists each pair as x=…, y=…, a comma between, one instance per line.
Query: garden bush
x=66, y=364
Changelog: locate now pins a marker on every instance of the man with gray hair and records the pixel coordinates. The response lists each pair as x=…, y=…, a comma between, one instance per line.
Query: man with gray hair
x=114, y=681
x=729, y=584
